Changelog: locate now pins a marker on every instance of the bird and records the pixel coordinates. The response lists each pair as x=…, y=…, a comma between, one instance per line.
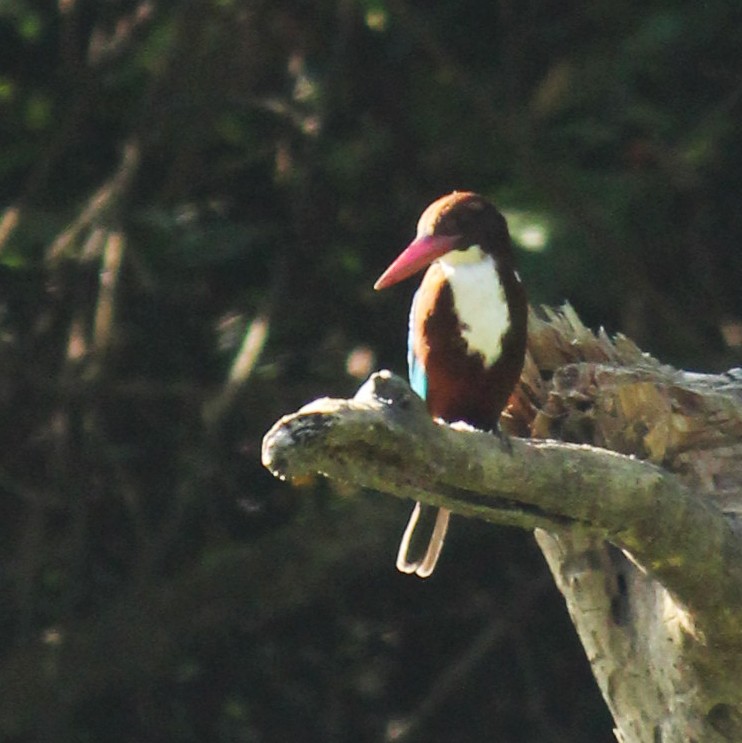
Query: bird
x=467, y=335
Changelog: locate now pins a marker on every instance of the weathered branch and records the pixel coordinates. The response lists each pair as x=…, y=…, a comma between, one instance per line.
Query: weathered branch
x=384, y=439
x=631, y=473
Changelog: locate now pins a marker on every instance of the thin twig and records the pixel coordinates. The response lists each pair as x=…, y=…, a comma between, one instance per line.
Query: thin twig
x=101, y=204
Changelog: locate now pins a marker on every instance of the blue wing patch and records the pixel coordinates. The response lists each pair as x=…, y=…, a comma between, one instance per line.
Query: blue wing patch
x=415, y=369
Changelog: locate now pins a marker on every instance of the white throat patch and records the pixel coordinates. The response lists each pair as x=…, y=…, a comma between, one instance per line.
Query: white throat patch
x=479, y=300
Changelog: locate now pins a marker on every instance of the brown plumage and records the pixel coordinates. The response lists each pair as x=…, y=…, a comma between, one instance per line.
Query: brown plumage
x=459, y=386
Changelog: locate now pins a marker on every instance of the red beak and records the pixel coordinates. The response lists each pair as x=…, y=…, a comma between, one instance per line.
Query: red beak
x=421, y=252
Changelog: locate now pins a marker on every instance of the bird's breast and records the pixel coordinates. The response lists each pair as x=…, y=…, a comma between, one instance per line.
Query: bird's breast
x=462, y=336
x=480, y=304
x=464, y=308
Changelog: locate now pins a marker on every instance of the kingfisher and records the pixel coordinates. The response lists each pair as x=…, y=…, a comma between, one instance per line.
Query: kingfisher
x=467, y=335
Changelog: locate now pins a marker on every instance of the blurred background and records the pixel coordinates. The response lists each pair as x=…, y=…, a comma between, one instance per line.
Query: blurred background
x=196, y=199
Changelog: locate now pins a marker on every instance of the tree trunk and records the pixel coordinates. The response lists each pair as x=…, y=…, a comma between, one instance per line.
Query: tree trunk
x=631, y=474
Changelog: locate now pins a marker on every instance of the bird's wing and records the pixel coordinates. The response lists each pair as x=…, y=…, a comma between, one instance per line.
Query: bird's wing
x=415, y=369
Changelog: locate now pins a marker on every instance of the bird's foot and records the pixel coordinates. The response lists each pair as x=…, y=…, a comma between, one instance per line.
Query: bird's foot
x=504, y=439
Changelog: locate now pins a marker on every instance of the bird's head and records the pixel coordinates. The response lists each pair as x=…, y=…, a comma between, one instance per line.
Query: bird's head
x=461, y=227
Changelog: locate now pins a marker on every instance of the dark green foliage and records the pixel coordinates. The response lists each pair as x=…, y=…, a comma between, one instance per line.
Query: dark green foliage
x=187, y=184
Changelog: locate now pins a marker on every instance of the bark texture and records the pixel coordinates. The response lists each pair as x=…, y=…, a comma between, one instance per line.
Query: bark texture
x=631, y=474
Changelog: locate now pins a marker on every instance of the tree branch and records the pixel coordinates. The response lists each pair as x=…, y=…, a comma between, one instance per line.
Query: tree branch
x=384, y=439
x=635, y=515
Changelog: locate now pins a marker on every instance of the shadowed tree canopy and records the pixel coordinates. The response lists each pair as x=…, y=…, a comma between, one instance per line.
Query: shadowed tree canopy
x=195, y=199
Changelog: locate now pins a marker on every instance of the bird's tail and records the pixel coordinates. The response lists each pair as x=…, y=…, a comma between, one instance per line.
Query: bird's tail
x=422, y=540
